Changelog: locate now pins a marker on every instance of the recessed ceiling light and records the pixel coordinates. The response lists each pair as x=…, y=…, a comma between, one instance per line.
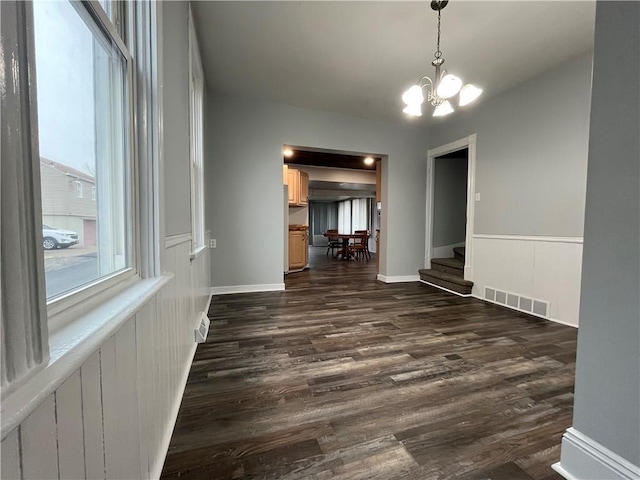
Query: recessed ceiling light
x=287, y=152
x=369, y=161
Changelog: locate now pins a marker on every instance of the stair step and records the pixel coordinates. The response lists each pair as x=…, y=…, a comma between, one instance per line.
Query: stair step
x=459, y=253
x=446, y=280
x=448, y=265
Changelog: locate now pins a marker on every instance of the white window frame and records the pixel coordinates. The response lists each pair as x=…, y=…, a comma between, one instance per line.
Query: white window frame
x=64, y=309
x=79, y=189
x=93, y=193
x=196, y=112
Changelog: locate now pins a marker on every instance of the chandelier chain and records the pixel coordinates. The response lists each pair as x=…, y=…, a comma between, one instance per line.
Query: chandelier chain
x=438, y=53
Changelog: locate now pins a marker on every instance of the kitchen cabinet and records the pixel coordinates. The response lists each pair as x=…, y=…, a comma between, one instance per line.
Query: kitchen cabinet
x=298, y=183
x=298, y=247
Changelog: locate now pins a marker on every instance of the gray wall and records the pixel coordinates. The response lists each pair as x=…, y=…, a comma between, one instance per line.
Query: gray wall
x=607, y=396
x=243, y=170
x=531, y=153
x=449, y=201
x=175, y=97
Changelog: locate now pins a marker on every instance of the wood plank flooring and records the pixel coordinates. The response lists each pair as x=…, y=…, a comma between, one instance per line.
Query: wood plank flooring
x=341, y=376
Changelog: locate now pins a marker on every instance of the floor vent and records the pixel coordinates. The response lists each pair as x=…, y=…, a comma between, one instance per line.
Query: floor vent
x=203, y=328
x=534, y=306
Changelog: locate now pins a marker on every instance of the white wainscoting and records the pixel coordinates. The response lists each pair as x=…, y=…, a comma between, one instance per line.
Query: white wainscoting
x=544, y=268
x=113, y=417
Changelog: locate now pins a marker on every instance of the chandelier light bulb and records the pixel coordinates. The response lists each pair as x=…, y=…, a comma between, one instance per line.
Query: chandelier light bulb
x=443, y=109
x=413, y=96
x=414, y=110
x=449, y=86
x=468, y=94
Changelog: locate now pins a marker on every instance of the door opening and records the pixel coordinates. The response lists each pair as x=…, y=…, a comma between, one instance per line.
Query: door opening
x=451, y=199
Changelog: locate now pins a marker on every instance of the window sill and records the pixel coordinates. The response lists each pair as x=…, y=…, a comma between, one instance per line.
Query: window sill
x=197, y=252
x=73, y=344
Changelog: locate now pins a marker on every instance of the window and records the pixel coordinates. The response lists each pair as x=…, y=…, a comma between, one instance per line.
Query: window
x=196, y=98
x=84, y=113
x=360, y=214
x=344, y=217
x=355, y=215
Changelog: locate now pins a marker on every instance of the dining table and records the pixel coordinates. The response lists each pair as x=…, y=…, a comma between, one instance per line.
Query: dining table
x=344, y=237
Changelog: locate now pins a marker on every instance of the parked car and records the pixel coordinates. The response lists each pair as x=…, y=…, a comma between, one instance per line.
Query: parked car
x=53, y=238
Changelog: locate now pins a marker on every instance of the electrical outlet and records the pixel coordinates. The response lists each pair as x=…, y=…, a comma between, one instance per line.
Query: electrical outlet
x=477, y=197
x=212, y=243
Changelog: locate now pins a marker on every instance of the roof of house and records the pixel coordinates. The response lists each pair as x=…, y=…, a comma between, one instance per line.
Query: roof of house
x=67, y=170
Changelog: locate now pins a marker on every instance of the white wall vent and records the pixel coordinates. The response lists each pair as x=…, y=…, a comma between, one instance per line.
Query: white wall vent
x=203, y=328
x=539, y=308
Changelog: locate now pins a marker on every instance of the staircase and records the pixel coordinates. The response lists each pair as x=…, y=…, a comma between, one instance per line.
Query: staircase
x=448, y=273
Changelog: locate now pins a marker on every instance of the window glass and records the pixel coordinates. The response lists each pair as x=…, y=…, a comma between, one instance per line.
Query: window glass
x=82, y=122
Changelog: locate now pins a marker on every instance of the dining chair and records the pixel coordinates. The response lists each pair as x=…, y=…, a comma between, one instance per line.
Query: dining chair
x=359, y=248
x=334, y=241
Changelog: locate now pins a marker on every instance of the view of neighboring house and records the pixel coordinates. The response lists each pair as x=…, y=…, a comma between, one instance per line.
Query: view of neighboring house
x=69, y=200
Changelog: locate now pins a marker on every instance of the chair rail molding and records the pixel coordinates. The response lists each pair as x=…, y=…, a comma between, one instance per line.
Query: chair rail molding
x=531, y=238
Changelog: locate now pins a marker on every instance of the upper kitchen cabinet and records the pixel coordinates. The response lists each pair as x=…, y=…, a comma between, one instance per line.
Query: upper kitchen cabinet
x=298, y=183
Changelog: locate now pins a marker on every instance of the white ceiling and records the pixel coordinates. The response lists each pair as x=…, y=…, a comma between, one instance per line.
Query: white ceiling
x=358, y=57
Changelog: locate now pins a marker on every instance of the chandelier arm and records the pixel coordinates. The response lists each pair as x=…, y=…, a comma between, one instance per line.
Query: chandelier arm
x=428, y=82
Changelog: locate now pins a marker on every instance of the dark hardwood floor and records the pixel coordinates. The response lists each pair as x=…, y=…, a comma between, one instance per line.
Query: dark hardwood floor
x=341, y=376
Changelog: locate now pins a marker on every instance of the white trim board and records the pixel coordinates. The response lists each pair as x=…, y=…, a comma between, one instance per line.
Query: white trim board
x=583, y=458
x=398, y=279
x=530, y=238
x=446, y=289
x=265, y=287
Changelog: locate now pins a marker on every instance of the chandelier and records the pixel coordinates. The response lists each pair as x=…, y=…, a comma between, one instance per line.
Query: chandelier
x=445, y=85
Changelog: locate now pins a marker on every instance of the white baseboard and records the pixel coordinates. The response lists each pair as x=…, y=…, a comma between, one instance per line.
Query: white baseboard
x=398, y=279
x=265, y=287
x=562, y=322
x=583, y=458
x=156, y=470
x=446, y=289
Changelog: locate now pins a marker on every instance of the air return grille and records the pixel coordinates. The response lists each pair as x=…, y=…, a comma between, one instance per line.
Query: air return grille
x=534, y=306
x=203, y=328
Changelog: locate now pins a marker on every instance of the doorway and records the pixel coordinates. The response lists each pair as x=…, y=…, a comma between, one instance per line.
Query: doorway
x=454, y=195
x=449, y=203
x=342, y=193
